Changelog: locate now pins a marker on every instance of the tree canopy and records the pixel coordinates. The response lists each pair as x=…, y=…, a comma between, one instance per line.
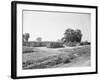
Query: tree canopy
x=26, y=37
x=72, y=35
x=39, y=39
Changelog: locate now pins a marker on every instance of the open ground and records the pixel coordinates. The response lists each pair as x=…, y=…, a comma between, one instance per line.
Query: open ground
x=43, y=57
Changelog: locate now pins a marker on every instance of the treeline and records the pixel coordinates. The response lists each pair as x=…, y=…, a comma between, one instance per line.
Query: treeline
x=71, y=38
x=43, y=44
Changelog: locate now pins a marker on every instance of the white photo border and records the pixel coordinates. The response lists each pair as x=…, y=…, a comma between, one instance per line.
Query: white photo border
x=18, y=7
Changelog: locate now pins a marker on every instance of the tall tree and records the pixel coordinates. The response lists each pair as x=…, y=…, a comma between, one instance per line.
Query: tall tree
x=78, y=35
x=26, y=37
x=71, y=35
x=23, y=38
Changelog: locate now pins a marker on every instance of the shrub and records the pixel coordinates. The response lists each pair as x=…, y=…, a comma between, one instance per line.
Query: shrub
x=54, y=45
x=71, y=44
x=27, y=49
x=85, y=43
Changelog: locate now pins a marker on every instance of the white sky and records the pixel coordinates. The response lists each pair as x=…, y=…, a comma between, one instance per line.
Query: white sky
x=51, y=25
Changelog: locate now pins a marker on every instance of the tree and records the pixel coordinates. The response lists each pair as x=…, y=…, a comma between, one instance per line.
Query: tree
x=85, y=43
x=39, y=39
x=23, y=38
x=68, y=36
x=26, y=37
x=78, y=35
x=71, y=35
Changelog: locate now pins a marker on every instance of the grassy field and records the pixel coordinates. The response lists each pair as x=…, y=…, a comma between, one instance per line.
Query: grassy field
x=42, y=57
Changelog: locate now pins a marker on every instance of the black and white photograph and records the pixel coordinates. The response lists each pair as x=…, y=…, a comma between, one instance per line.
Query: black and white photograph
x=54, y=39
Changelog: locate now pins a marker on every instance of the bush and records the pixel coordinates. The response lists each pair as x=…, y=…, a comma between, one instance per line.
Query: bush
x=27, y=49
x=54, y=45
x=85, y=43
x=71, y=44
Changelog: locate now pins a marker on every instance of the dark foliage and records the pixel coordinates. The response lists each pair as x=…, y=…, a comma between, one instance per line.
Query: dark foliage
x=85, y=43
x=72, y=37
x=26, y=37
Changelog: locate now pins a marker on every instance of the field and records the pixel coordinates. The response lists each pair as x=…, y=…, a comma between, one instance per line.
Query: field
x=42, y=57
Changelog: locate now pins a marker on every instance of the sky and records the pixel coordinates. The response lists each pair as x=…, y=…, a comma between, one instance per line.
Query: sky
x=50, y=26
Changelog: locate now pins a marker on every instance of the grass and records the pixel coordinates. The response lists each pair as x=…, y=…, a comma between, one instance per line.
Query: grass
x=45, y=62
x=49, y=58
x=27, y=49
